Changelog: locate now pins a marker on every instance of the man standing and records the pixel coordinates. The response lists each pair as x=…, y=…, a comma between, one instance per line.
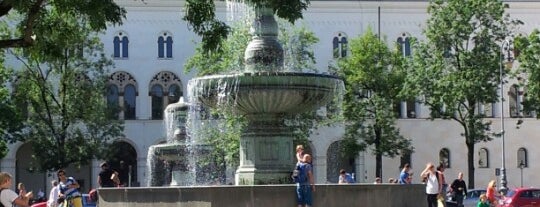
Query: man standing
x=459, y=188
x=305, y=184
x=69, y=190
x=53, y=195
x=104, y=177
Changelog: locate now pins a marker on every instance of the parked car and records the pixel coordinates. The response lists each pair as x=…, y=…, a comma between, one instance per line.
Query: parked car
x=86, y=201
x=470, y=200
x=521, y=197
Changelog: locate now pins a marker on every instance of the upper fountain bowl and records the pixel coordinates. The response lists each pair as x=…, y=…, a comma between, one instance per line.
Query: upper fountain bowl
x=266, y=92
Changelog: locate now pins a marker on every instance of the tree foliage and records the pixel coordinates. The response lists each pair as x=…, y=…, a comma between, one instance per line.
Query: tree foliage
x=529, y=59
x=60, y=89
x=10, y=119
x=374, y=76
x=200, y=15
x=19, y=20
x=457, y=68
x=33, y=13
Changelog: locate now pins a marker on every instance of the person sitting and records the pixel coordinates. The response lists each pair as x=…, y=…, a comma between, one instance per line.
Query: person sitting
x=344, y=177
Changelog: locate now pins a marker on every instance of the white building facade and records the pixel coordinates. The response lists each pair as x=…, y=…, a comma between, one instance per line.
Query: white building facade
x=151, y=47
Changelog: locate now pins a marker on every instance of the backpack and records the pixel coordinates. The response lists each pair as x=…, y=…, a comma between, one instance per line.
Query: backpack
x=299, y=174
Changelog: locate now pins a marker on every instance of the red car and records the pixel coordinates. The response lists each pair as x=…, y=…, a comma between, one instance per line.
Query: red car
x=529, y=197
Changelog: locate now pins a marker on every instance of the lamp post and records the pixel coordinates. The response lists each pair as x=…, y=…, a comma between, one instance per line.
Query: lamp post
x=521, y=166
x=505, y=47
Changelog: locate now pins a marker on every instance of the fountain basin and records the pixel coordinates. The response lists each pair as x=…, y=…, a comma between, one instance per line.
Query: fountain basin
x=266, y=92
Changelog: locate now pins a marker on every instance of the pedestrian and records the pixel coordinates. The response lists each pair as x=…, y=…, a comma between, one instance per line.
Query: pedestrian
x=344, y=177
x=459, y=188
x=299, y=153
x=433, y=184
x=491, y=191
x=69, y=190
x=53, y=195
x=405, y=174
x=9, y=197
x=105, y=177
x=21, y=190
x=442, y=179
x=305, y=184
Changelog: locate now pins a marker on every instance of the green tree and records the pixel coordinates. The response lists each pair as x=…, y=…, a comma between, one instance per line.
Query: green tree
x=529, y=64
x=299, y=56
x=200, y=15
x=60, y=88
x=374, y=76
x=17, y=29
x=33, y=13
x=457, y=68
x=10, y=120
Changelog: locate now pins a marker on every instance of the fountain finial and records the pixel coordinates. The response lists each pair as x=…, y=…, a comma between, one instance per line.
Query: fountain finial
x=264, y=53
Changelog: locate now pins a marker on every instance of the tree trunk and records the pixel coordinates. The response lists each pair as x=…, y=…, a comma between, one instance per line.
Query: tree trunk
x=470, y=162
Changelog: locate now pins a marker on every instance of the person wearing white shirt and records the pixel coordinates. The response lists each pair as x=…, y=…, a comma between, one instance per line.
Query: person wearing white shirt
x=53, y=195
x=8, y=197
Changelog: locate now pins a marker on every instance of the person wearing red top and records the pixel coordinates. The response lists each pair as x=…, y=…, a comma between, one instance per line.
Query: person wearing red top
x=490, y=192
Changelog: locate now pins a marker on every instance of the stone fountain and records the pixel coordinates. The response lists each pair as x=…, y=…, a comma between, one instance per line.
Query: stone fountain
x=265, y=94
x=174, y=163
x=171, y=160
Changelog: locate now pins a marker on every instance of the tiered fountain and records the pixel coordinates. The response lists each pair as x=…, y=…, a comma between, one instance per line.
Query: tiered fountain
x=265, y=94
x=171, y=161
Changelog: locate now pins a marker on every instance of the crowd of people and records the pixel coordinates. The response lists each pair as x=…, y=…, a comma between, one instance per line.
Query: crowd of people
x=65, y=190
x=436, y=185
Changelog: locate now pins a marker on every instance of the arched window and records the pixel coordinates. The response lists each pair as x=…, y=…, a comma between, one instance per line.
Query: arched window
x=157, y=102
x=404, y=45
x=339, y=45
x=165, y=45
x=513, y=101
x=523, y=160
x=130, y=94
x=483, y=158
x=120, y=43
x=444, y=157
x=165, y=89
x=126, y=87
x=112, y=100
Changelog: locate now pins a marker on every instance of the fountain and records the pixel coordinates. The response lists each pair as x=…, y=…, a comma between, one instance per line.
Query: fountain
x=265, y=94
x=171, y=160
x=173, y=163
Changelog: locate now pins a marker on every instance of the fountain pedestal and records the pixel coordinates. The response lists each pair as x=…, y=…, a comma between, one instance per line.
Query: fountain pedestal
x=265, y=151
